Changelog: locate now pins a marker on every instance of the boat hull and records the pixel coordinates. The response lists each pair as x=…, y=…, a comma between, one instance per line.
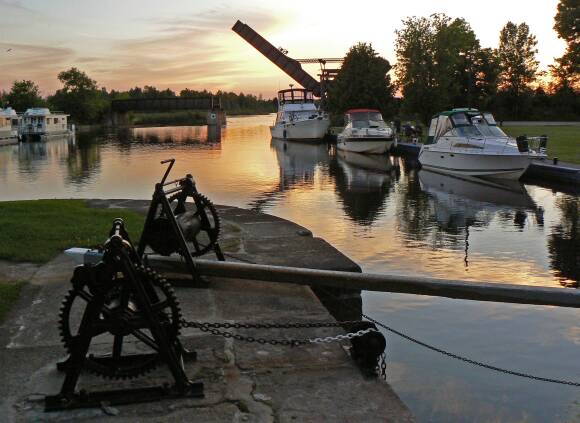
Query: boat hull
x=504, y=166
x=306, y=130
x=365, y=145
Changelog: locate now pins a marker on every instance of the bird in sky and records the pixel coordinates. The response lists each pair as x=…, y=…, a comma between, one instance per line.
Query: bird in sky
x=8, y=50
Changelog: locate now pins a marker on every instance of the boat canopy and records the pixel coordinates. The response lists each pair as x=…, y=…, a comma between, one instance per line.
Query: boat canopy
x=364, y=118
x=464, y=123
x=295, y=95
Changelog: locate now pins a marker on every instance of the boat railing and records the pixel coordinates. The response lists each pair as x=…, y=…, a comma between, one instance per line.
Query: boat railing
x=536, y=144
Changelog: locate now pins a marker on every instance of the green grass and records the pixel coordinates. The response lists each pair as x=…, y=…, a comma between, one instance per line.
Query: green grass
x=563, y=141
x=9, y=293
x=37, y=231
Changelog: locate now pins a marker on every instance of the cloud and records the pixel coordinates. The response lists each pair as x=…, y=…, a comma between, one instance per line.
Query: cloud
x=197, y=52
x=40, y=63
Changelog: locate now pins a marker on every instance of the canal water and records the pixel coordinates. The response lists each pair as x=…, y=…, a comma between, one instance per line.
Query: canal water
x=389, y=217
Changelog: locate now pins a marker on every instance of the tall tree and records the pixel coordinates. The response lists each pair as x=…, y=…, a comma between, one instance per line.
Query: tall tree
x=440, y=65
x=517, y=63
x=363, y=81
x=24, y=94
x=80, y=96
x=567, y=25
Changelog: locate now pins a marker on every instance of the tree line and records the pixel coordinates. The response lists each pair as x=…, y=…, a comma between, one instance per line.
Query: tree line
x=441, y=64
x=81, y=97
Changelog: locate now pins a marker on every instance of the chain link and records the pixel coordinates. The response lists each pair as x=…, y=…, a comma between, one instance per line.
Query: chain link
x=214, y=329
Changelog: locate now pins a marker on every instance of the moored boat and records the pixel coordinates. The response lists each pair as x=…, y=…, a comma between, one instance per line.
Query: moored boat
x=8, y=124
x=365, y=132
x=469, y=142
x=39, y=123
x=298, y=117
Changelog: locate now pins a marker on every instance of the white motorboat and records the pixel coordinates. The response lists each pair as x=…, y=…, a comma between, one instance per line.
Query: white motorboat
x=299, y=118
x=8, y=123
x=39, y=123
x=468, y=142
x=365, y=132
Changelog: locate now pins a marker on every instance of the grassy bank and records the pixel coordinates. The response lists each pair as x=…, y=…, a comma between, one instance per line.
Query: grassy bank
x=9, y=292
x=37, y=231
x=563, y=141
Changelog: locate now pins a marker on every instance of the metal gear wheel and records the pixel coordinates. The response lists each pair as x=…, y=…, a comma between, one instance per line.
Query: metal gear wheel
x=162, y=239
x=120, y=318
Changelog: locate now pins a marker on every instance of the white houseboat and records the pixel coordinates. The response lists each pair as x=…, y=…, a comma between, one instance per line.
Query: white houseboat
x=8, y=124
x=298, y=117
x=468, y=142
x=39, y=123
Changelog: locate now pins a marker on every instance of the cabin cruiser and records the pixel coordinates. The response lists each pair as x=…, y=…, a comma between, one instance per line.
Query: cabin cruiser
x=469, y=142
x=8, y=123
x=365, y=132
x=39, y=123
x=298, y=117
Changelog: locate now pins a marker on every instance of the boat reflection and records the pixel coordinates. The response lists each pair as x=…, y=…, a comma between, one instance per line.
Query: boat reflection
x=297, y=164
x=459, y=204
x=363, y=183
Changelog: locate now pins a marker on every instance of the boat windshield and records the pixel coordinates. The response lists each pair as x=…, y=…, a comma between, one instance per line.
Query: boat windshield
x=366, y=120
x=467, y=131
x=486, y=125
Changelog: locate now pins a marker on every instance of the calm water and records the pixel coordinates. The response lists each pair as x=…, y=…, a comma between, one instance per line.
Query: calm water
x=389, y=217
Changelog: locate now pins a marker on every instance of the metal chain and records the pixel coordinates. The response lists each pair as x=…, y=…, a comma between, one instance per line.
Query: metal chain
x=453, y=355
x=469, y=360
x=281, y=325
x=213, y=328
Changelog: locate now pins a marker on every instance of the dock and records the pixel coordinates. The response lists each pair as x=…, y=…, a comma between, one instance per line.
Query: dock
x=244, y=382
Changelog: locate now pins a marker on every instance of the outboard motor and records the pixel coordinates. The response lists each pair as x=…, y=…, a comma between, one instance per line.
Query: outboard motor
x=523, y=146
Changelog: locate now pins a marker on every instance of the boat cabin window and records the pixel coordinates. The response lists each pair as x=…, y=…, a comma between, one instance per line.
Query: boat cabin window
x=295, y=96
x=460, y=119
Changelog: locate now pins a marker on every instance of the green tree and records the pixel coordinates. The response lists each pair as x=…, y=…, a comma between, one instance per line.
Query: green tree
x=23, y=95
x=80, y=97
x=440, y=65
x=567, y=24
x=517, y=64
x=363, y=81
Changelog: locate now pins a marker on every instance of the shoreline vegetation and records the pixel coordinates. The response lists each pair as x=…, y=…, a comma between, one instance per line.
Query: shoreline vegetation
x=50, y=227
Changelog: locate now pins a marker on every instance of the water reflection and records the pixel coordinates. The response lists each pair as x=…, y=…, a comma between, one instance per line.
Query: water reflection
x=564, y=242
x=83, y=159
x=387, y=216
x=297, y=164
x=363, y=183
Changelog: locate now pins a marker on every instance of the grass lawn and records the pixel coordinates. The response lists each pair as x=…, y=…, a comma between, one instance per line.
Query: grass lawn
x=36, y=231
x=9, y=292
x=563, y=141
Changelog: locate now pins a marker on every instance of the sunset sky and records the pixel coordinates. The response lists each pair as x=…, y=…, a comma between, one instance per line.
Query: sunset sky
x=189, y=43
